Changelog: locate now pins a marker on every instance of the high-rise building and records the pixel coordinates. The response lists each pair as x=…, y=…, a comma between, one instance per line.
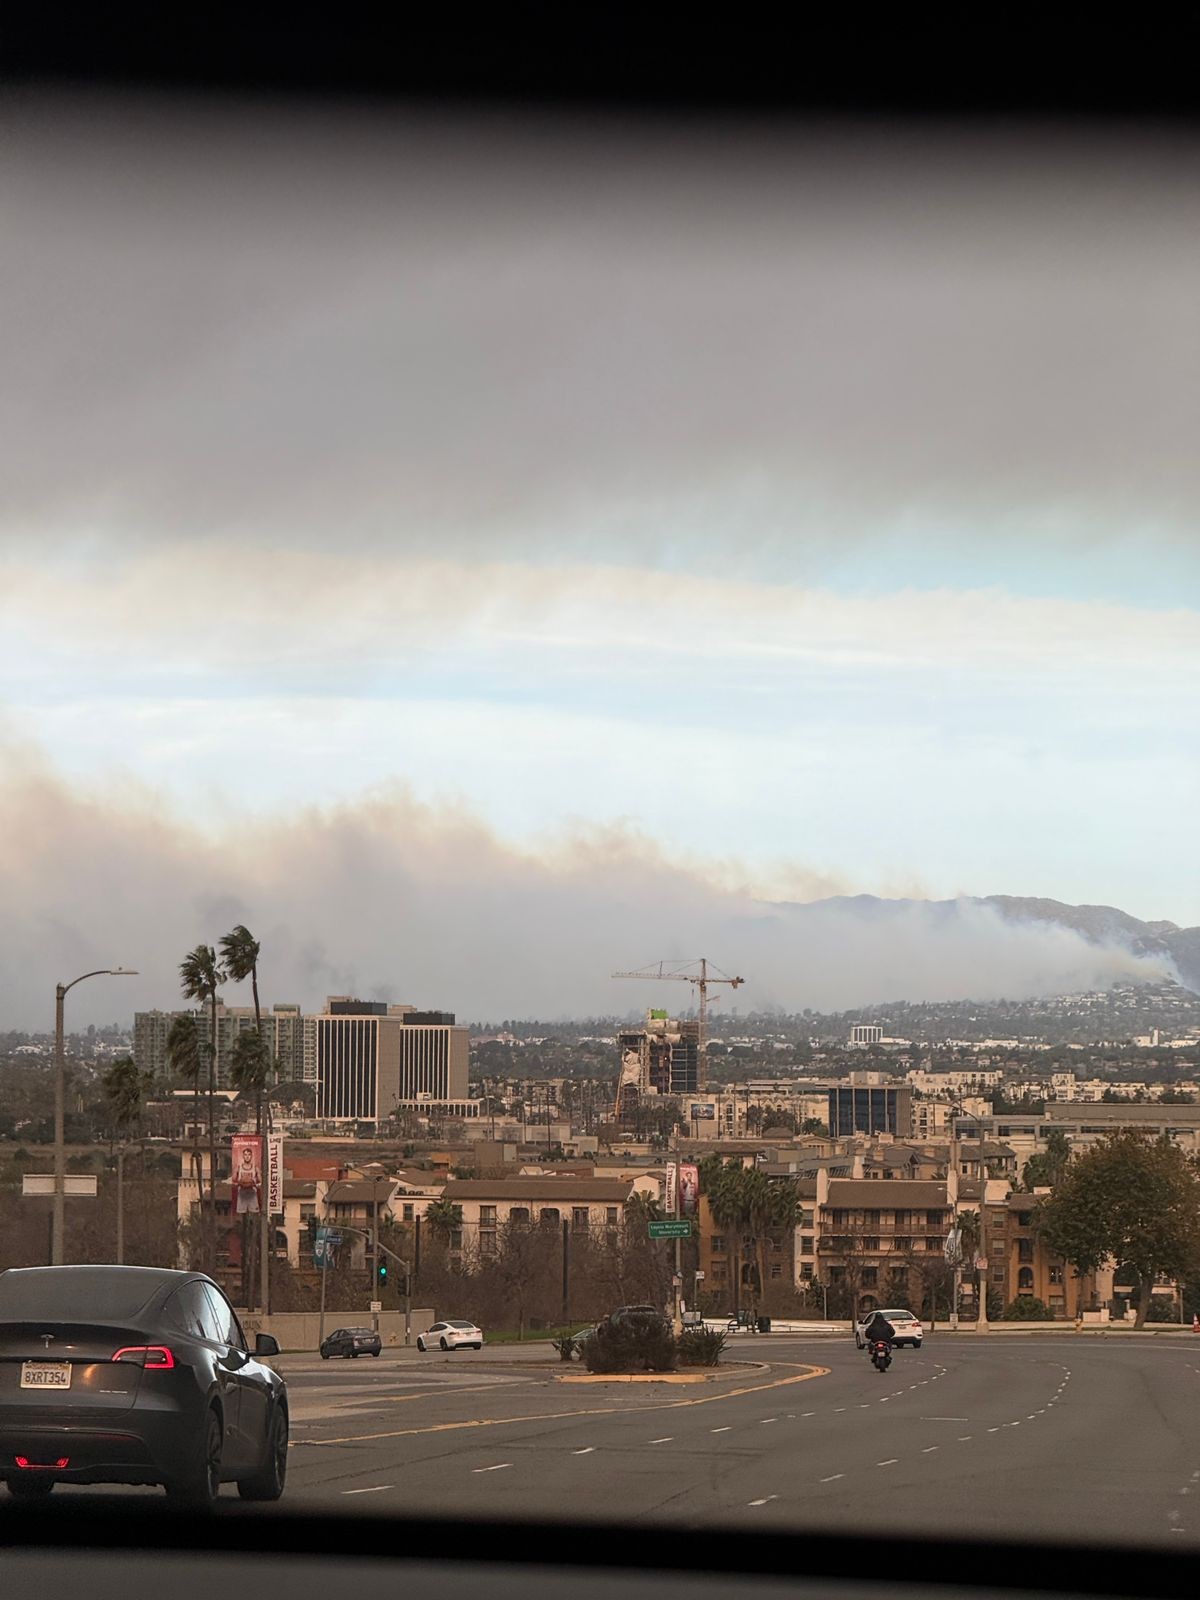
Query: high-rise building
x=661, y=1058
x=371, y=1060
x=152, y=1028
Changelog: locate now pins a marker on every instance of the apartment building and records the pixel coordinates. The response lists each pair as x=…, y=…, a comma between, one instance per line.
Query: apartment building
x=871, y=1236
x=589, y=1207
x=733, y=1264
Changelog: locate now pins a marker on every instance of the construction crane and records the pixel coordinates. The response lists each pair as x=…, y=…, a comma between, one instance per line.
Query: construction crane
x=685, y=972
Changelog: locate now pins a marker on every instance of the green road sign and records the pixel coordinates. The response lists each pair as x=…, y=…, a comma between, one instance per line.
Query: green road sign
x=670, y=1230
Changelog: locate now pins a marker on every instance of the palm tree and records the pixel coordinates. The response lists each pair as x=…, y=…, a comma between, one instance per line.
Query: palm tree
x=125, y=1091
x=444, y=1218
x=185, y=1057
x=201, y=977
x=728, y=1202
x=240, y=951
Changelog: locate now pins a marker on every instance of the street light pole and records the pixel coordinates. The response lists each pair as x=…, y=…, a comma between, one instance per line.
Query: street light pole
x=58, y=1224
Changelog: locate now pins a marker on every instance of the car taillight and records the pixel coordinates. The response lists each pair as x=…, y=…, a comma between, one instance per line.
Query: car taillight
x=155, y=1357
x=42, y=1466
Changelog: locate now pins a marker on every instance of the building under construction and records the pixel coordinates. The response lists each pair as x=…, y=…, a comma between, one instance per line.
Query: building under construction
x=661, y=1058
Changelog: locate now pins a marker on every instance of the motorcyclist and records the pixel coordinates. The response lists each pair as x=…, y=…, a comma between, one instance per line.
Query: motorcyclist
x=879, y=1330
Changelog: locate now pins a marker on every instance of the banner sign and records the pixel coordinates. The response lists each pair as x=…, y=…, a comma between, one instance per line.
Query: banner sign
x=689, y=1189
x=247, y=1174
x=704, y=1113
x=325, y=1247
x=275, y=1173
x=953, y=1247
x=670, y=1189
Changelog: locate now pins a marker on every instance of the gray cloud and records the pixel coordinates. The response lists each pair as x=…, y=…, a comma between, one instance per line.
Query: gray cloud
x=607, y=338
x=388, y=897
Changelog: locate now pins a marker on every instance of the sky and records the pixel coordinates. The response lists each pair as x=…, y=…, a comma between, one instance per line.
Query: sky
x=484, y=554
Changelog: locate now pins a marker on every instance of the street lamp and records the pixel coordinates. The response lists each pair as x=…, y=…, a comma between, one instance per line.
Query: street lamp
x=60, y=1154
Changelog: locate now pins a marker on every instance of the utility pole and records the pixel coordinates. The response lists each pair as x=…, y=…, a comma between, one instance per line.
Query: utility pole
x=982, y=1316
x=120, y=1205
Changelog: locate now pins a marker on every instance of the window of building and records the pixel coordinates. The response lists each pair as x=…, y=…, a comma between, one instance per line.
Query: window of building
x=998, y=1275
x=456, y=1239
x=841, y=1219
x=718, y=1244
x=776, y=1270
x=872, y=1218
x=1025, y=1280
x=806, y=1219
x=871, y=1243
x=408, y=1211
x=806, y=1243
x=719, y=1272
x=933, y=1219
x=837, y=1274
x=901, y=1243
x=1024, y=1249
x=579, y=1219
x=933, y=1242
x=1056, y=1274
x=870, y=1277
x=487, y=1216
x=612, y=1216
x=550, y=1216
x=487, y=1244
x=998, y=1247
x=519, y=1214
x=1024, y=1219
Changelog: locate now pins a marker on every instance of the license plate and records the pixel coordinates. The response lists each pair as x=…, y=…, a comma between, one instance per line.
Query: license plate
x=46, y=1375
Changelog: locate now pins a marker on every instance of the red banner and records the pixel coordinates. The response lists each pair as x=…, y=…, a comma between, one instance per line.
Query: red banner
x=247, y=1173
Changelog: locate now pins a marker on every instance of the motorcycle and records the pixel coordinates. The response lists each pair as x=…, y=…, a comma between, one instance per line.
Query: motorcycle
x=881, y=1355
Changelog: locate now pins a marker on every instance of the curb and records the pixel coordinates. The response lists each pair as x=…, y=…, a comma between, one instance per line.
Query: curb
x=637, y=1377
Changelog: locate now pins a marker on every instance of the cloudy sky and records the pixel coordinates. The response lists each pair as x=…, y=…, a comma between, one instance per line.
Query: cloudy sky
x=482, y=555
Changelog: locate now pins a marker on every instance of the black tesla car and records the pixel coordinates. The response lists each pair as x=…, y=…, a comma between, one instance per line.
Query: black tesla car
x=350, y=1342
x=135, y=1375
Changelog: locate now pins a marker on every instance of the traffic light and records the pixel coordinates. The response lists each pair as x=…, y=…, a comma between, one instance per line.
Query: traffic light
x=382, y=1270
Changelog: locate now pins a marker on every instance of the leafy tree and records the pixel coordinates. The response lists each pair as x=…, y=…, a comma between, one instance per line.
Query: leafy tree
x=1045, y=1169
x=815, y=1127
x=125, y=1091
x=1131, y=1199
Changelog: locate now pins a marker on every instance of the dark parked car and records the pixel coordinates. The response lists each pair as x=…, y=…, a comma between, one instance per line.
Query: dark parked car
x=350, y=1342
x=135, y=1375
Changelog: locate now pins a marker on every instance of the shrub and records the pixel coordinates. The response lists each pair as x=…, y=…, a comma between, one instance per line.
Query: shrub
x=1162, y=1308
x=567, y=1346
x=1028, y=1308
x=631, y=1346
x=701, y=1347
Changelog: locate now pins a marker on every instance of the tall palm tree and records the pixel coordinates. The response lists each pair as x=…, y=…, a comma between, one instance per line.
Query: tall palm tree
x=240, y=951
x=200, y=977
x=729, y=1203
x=185, y=1057
x=443, y=1217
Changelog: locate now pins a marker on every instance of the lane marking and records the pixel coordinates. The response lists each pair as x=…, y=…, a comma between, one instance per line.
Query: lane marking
x=963, y=1437
x=993, y=1430
x=766, y=1501
x=587, y=1451
x=374, y=1490
x=666, y=1439
x=945, y=1419
x=761, y=1420
x=890, y=1462
x=809, y=1373
x=833, y=1478
x=499, y=1467
x=929, y=1449
x=726, y=1429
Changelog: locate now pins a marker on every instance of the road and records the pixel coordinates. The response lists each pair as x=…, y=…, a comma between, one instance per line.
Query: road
x=1077, y=1437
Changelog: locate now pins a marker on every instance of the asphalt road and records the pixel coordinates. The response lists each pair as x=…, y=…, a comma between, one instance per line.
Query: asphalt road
x=1063, y=1438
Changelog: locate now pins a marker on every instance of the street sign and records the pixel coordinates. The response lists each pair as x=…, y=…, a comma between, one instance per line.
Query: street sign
x=670, y=1230
x=376, y=1305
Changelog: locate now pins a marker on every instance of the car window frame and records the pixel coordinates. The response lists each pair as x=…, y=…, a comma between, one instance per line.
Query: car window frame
x=220, y=1305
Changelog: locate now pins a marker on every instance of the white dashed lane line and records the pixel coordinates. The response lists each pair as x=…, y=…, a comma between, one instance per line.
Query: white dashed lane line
x=375, y=1489
x=499, y=1467
x=890, y=1462
x=720, y=1430
x=665, y=1440
x=587, y=1451
x=833, y=1477
x=765, y=1501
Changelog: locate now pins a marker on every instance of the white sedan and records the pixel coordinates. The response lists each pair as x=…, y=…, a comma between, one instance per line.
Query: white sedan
x=451, y=1336
x=908, y=1328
